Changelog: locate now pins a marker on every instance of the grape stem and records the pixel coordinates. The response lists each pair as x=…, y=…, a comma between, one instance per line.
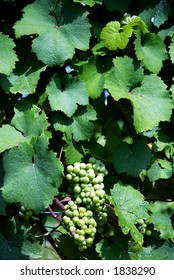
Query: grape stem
x=59, y=203
x=54, y=215
x=109, y=206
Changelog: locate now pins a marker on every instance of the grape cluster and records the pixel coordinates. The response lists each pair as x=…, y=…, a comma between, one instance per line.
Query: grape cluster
x=146, y=228
x=88, y=194
x=25, y=213
x=80, y=223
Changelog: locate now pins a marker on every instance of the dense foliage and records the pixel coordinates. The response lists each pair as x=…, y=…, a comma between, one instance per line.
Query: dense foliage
x=86, y=129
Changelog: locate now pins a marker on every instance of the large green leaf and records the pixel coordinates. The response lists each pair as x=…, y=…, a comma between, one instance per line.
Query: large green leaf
x=122, y=77
x=25, y=77
x=156, y=12
x=79, y=126
x=8, y=57
x=59, y=27
x=66, y=99
x=161, y=218
x=32, y=175
x=131, y=159
x=129, y=206
x=9, y=137
x=93, y=79
x=74, y=152
x=31, y=122
x=151, y=51
x=160, y=169
x=115, y=37
x=151, y=101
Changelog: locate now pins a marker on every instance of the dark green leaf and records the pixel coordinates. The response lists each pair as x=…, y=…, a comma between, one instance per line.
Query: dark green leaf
x=131, y=159
x=43, y=174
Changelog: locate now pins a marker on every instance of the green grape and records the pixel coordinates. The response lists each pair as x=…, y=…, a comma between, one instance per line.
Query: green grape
x=70, y=168
x=77, y=189
x=87, y=215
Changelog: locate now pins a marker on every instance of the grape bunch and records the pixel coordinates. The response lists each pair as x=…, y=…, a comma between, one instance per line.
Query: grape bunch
x=25, y=213
x=146, y=228
x=80, y=223
x=88, y=194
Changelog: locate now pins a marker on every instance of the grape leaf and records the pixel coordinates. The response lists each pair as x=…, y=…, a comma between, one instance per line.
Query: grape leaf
x=161, y=12
x=67, y=98
x=151, y=51
x=156, y=12
x=129, y=206
x=114, y=36
x=31, y=122
x=15, y=242
x=157, y=251
x=160, y=169
x=93, y=79
x=8, y=57
x=43, y=174
x=161, y=219
x=9, y=137
x=131, y=159
x=59, y=28
x=25, y=77
x=122, y=77
x=79, y=127
x=171, y=49
x=73, y=152
x=151, y=101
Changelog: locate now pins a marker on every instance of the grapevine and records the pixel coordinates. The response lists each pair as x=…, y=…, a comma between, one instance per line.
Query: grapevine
x=86, y=213
x=86, y=129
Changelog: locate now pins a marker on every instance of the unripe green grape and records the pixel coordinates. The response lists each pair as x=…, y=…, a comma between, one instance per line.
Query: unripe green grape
x=75, y=213
x=76, y=236
x=89, y=213
x=70, y=203
x=88, y=166
x=85, y=180
x=23, y=209
x=140, y=222
x=83, y=165
x=69, y=177
x=75, y=219
x=78, y=200
x=148, y=232
x=69, y=213
x=82, y=194
x=70, y=168
x=76, y=179
x=89, y=241
x=92, y=160
x=96, y=199
x=82, y=173
x=77, y=189
x=72, y=229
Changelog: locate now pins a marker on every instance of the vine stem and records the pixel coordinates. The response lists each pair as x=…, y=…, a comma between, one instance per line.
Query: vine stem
x=60, y=154
x=54, y=215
